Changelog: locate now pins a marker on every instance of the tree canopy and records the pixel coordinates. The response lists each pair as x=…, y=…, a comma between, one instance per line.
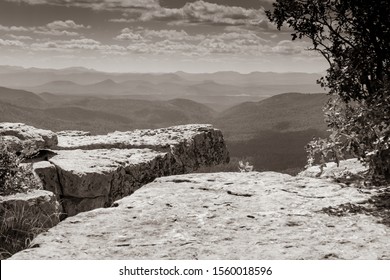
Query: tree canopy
x=352, y=35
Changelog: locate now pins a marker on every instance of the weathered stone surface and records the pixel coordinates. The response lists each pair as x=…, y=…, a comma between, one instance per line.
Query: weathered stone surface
x=140, y=138
x=222, y=216
x=192, y=145
x=47, y=172
x=331, y=170
x=38, y=208
x=88, y=179
x=86, y=171
x=73, y=133
x=19, y=135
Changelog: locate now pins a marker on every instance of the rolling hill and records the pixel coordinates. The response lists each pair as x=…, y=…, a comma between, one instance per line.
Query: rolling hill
x=284, y=112
x=21, y=98
x=97, y=115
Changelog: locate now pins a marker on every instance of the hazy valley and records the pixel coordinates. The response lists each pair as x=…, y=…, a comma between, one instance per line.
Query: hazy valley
x=260, y=121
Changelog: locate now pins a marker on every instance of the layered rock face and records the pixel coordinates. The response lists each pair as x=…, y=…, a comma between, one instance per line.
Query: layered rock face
x=87, y=172
x=224, y=216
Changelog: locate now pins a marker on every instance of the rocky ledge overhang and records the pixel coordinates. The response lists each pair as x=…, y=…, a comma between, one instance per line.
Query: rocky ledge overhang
x=225, y=216
x=87, y=172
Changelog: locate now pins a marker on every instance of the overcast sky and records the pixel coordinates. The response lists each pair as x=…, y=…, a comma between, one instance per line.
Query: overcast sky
x=149, y=36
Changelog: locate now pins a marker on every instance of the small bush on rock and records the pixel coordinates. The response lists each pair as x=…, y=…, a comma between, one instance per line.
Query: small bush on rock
x=14, y=176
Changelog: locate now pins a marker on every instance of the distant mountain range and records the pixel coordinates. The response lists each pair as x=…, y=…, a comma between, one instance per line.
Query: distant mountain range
x=270, y=133
x=13, y=76
x=219, y=90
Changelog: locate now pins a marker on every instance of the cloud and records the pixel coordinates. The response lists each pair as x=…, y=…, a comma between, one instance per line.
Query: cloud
x=128, y=35
x=121, y=20
x=67, y=24
x=198, y=12
x=179, y=42
x=14, y=28
x=205, y=12
x=12, y=43
x=55, y=32
x=286, y=47
x=60, y=28
x=148, y=35
x=55, y=28
x=19, y=37
x=76, y=45
x=97, y=4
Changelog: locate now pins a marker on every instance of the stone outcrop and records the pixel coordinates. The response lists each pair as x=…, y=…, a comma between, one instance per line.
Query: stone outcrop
x=89, y=179
x=192, y=146
x=331, y=170
x=19, y=136
x=87, y=172
x=225, y=216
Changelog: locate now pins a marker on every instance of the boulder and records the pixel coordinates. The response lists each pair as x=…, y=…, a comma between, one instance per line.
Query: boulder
x=332, y=171
x=24, y=137
x=224, y=216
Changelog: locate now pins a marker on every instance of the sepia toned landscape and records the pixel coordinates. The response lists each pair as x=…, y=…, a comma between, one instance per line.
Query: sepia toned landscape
x=166, y=129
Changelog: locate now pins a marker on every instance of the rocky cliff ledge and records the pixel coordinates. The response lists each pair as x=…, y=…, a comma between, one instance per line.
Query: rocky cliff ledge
x=227, y=216
x=87, y=172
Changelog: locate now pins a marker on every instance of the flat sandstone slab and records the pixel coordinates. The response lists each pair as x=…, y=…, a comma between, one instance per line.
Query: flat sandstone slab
x=162, y=137
x=221, y=216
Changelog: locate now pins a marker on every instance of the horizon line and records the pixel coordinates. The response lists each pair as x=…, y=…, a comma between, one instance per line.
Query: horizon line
x=178, y=71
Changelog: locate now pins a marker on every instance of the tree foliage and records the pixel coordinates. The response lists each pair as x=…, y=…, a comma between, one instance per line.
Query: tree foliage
x=354, y=37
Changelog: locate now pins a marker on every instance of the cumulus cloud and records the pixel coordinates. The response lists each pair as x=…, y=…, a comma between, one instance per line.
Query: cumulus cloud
x=60, y=28
x=286, y=47
x=14, y=28
x=67, y=24
x=180, y=42
x=198, y=12
x=55, y=32
x=129, y=36
x=146, y=35
x=205, y=12
x=121, y=20
x=19, y=37
x=13, y=43
x=76, y=45
x=55, y=28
